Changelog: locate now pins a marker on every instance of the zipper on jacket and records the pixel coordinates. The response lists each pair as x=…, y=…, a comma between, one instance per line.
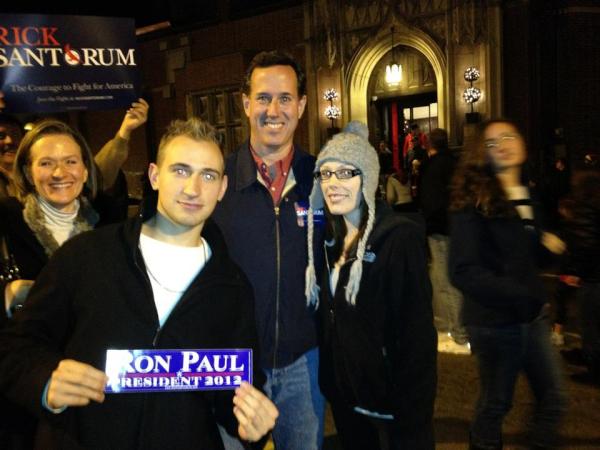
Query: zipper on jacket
x=332, y=294
x=278, y=286
x=206, y=283
x=156, y=336
x=150, y=293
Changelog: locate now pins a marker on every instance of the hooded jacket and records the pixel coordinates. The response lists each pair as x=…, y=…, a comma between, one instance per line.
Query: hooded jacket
x=94, y=294
x=380, y=354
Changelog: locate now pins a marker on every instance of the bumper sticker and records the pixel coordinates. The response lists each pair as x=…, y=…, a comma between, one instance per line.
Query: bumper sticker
x=176, y=370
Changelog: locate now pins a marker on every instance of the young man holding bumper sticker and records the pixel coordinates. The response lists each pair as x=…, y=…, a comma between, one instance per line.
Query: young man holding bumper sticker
x=162, y=280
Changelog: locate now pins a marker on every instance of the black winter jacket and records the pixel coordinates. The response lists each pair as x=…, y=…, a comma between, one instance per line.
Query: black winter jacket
x=29, y=254
x=494, y=263
x=21, y=243
x=582, y=233
x=94, y=294
x=269, y=244
x=435, y=192
x=381, y=353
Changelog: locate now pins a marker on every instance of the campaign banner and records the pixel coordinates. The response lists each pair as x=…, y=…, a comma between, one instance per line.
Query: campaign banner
x=176, y=370
x=63, y=63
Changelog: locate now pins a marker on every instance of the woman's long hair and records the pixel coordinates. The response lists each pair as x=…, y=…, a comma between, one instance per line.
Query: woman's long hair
x=337, y=230
x=474, y=183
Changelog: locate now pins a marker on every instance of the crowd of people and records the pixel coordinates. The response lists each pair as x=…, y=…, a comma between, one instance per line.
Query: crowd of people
x=344, y=276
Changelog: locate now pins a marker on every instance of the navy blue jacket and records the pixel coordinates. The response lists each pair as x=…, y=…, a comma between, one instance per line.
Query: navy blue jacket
x=269, y=244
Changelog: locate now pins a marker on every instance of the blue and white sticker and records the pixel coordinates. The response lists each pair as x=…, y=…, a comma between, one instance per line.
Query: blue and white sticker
x=369, y=256
x=176, y=370
x=301, y=208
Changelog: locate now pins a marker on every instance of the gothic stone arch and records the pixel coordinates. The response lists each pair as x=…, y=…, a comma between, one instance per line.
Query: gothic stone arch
x=366, y=57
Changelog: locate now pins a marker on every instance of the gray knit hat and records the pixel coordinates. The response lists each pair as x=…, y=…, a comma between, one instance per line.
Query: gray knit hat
x=351, y=146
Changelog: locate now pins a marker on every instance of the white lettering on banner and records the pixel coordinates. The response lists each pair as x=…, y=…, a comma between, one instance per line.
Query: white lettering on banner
x=42, y=57
x=154, y=363
x=146, y=363
x=162, y=370
x=229, y=363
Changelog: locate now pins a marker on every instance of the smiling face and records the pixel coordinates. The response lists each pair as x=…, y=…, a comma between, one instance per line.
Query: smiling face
x=57, y=171
x=273, y=107
x=189, y=180
x=505, y=146
x=342, y=197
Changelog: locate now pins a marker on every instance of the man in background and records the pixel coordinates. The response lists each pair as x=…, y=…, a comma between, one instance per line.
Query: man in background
x=435, y=198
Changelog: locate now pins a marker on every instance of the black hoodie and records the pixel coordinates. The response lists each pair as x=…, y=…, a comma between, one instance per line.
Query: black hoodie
x=381, y=353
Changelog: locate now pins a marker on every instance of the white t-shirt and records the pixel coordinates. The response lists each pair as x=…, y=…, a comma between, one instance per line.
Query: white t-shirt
x=171, y=269
x=520, y=196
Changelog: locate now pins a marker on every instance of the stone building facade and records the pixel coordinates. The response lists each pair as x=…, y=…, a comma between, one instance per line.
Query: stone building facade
x=538, y=63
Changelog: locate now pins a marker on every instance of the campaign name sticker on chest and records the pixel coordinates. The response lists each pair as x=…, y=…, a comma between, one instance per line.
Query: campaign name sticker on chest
x=301, y=208
x=176, y=370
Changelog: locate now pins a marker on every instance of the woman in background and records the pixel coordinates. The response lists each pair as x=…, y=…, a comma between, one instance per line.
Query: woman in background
x=495, y=246
x=55, y=178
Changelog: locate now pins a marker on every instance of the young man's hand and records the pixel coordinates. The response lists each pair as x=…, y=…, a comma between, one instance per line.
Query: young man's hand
x=256, y=414
x=74, y=383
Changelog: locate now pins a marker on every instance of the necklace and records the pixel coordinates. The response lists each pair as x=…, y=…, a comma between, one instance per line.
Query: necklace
x=177, y=291
x=163, y=287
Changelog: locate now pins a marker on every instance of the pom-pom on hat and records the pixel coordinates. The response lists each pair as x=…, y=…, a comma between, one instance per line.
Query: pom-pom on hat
x=352, y=147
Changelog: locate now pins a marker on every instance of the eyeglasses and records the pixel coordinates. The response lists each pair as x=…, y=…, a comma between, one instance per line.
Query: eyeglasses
x=495, y=143
x=340, y=174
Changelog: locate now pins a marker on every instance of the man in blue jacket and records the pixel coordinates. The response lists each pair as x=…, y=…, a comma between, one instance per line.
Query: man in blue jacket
x=263, y=218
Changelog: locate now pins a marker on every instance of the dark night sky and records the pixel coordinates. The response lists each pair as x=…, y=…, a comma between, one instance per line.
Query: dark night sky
x=147, y=12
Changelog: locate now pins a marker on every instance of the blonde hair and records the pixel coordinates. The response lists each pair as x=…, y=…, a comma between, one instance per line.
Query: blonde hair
x=194, y=128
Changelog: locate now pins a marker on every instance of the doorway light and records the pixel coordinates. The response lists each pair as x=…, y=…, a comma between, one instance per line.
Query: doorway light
x=393, y=71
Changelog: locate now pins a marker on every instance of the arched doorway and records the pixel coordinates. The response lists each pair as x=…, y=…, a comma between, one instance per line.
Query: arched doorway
x=414, y=100
x=367, y=59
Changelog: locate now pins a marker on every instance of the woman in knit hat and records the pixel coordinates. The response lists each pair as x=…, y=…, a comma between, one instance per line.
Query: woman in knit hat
x=378, y=343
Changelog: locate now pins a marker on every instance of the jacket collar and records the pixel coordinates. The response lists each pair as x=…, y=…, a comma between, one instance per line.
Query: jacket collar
x=386, y=221
x=246, y=173
x=34, y=217
x=219, y=262
x=219, y=270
